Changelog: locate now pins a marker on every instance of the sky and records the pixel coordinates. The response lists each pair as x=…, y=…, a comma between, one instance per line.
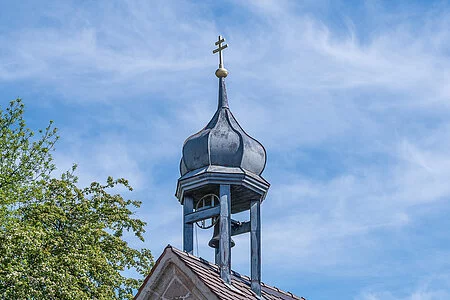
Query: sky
x=350, y=99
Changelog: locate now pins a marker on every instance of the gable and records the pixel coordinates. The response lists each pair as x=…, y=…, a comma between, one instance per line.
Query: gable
x=177, y=290
x=180, y=275
x=171, y=280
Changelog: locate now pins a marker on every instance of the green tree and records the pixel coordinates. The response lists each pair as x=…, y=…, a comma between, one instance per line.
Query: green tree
x=58, y=240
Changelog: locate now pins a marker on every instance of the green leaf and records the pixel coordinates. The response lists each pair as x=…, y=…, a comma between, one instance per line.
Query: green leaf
x=59, y=240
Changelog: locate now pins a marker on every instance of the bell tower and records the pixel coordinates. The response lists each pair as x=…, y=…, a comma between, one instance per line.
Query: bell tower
x=221, y=171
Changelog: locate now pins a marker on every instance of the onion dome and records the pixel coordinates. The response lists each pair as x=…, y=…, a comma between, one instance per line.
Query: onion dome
x=223, y=142
x=222, y=154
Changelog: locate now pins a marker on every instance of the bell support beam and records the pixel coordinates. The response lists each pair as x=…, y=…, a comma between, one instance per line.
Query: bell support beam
x=202, y=214
x=225, y=233
x=188, y=228
x=239, y=227
x=255, y=246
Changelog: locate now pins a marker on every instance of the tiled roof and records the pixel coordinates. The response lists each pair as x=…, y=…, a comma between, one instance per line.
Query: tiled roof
x=240, y=287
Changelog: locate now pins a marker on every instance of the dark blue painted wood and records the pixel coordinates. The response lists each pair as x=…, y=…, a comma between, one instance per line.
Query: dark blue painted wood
x=188, y=228
x=202, y=214
x=239, y=228
x=255, y=246
x=217, y=256
x=225, y=233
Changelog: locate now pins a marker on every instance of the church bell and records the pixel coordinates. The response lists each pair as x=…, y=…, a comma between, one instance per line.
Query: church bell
x=214, y=242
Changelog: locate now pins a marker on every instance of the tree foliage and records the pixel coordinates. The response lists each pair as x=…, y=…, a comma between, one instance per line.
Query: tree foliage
x=58, y=240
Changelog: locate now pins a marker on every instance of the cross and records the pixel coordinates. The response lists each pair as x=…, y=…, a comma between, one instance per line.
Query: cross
x=219, y=49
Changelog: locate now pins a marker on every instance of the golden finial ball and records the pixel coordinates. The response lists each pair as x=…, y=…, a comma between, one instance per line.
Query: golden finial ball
x=221, y=72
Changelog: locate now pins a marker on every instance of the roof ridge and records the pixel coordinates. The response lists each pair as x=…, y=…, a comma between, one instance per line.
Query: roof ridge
x=187, y=254
x=199, y=259
x=245, y=279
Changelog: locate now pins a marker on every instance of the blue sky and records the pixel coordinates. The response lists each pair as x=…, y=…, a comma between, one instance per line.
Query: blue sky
x=350, y=98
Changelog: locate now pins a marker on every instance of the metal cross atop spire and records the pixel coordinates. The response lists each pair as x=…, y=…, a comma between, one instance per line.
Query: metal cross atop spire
x=221, y=47
x=221, y=72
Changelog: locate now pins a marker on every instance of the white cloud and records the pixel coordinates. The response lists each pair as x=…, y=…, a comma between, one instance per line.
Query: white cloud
x=137, y=44
x=426, y=290
x=367, y=110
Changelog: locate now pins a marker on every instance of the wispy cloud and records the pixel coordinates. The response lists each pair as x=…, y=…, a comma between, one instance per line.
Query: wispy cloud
x=429, y=288
x=352, y=104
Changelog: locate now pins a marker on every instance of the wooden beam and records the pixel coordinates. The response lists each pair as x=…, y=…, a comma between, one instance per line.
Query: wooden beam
x=202, y=214
x=225, y=233
x=255, y=246
x=239, y=228
x=188, y=228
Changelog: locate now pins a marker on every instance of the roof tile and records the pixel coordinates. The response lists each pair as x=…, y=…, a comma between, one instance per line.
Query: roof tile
x=240, y=289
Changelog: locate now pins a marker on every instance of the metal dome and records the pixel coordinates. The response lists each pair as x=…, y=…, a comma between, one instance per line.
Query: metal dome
x=223, y=143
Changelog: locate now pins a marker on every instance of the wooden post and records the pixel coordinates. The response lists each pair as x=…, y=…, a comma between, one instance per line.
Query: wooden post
x=216, y=250
x=255, y=246
x=188, y=228
x=217, y=256
x=225, y=233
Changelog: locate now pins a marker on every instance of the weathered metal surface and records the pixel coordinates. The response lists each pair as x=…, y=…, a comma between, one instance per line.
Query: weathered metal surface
x=223, y=142
x=188, y=228
x=255, y=246
x=245, y=186
x=201, y=214
x=225, y=233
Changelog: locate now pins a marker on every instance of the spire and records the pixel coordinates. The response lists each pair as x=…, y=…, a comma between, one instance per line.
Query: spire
x=221, y=73
x=223, y=99
x=223, y=162
x=223, y=142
